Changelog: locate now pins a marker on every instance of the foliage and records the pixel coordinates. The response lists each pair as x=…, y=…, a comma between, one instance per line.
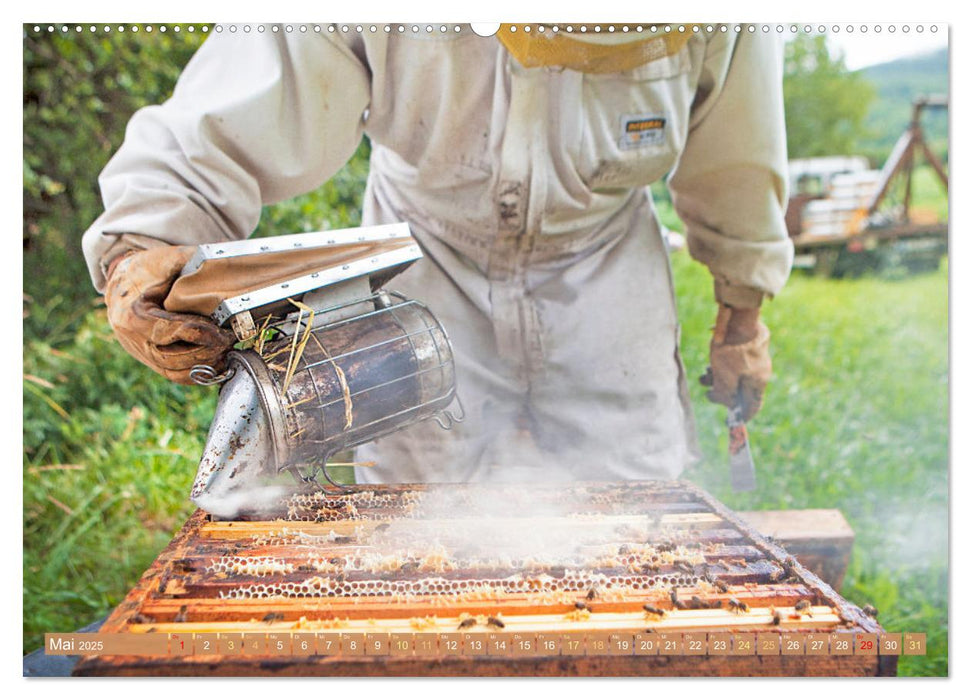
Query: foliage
x=825, y=104
x=79, y=91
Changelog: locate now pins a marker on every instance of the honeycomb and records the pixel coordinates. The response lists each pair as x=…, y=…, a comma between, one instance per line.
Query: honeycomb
x=473, y=543
x=250, y=566
x=321, y=506
x=573, y=582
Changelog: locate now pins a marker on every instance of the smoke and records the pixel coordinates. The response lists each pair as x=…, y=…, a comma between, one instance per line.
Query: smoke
x=912, y=535
x=250, y=499
x=521, y=527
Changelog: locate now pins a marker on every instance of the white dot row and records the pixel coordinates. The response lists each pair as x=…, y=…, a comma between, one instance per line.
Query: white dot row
x=528, y=28
x=107, y=29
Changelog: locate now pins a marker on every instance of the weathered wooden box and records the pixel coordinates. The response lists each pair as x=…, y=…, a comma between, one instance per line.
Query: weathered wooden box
x=512, y=566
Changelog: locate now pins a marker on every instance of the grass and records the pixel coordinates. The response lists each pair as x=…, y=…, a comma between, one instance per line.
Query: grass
x=109, y=455
x=856, y=419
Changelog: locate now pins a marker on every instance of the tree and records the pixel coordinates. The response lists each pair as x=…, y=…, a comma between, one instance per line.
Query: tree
x=80, y=90
x=825, y=103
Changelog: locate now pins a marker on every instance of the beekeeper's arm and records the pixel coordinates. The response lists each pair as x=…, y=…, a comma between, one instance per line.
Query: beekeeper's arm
x=254, y=119
x=730, y=189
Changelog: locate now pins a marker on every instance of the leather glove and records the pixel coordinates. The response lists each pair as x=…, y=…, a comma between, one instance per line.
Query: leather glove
x=169, y=343
x=740, y=363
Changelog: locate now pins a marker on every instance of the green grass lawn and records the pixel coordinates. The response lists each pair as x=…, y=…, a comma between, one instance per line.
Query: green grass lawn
x=856, y=419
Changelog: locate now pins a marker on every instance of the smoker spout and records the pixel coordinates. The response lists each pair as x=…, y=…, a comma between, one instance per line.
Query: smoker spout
x=238, y=467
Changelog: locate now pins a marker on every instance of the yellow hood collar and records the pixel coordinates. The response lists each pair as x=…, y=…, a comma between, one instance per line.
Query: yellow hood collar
x=589, y=52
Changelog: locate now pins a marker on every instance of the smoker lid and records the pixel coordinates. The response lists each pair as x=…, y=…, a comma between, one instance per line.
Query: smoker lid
x=298, y=242
x=225, y=279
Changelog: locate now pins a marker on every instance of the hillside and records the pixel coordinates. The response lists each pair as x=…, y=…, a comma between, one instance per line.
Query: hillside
x=898, y=83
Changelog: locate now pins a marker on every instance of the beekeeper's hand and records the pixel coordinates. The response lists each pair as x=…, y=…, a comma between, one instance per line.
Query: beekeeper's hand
x=740, y=364
x=169, y=343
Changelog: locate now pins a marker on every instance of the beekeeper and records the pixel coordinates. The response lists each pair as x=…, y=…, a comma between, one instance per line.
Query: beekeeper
x=521, y=162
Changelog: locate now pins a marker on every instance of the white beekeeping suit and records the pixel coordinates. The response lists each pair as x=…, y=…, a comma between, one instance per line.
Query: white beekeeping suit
x=525, y=186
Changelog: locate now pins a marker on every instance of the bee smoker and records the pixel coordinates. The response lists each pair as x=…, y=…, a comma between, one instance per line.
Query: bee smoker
x=327, y=360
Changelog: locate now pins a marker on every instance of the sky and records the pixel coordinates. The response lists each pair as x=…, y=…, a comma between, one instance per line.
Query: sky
x=866, y=49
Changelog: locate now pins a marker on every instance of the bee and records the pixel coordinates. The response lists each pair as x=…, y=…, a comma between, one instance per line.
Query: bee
x=183, y=565
x=382, y=527
x=686, y=568
x=679, y=604
x=182, y=615
x=496, y=622
x=558, y=571
x=721, y=585
x=870, y=611
x=335, y=561
x=735, y=605
x=650, y=568
x=343, y=539
x=624, y=549
x=776, y=617
x=593, y=593
x=697, y=603
x=306, y=568
x=665, y=547
x=580, y=605
x=803, y=606
x=714, y=604
x=466, y=623
x=789, y=569
x=653, y=610
x=140, y=619
x=273, y=617
x=408, y=566
x=776, y=576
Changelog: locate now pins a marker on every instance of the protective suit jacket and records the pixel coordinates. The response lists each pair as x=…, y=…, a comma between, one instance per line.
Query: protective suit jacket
x=527, y=190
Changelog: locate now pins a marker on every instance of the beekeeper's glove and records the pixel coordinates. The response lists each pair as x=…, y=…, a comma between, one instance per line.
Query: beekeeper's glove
x=170, y=343
x=740, y=363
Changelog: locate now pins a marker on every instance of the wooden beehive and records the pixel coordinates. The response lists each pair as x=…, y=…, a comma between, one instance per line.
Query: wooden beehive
x=580, y=559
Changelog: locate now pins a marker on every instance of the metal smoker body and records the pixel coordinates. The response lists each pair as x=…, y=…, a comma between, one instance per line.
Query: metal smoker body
x=333, y=362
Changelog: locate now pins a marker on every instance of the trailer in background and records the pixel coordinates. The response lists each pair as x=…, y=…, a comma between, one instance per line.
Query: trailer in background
x=845, y=218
